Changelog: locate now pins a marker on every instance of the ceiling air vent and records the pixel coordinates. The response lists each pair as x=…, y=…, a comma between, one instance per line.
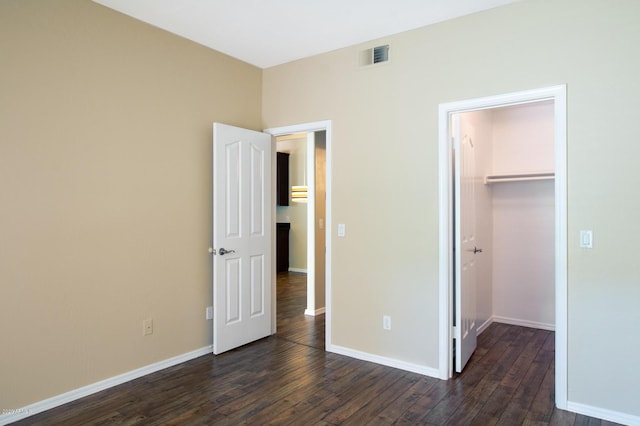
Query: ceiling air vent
x=374, y=55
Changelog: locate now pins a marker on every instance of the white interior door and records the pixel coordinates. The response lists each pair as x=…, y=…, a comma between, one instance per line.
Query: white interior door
x=241, y=236
x=466, y=243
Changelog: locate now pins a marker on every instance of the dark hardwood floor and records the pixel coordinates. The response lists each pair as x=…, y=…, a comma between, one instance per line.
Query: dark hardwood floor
x=289, y=379
x=293, y=324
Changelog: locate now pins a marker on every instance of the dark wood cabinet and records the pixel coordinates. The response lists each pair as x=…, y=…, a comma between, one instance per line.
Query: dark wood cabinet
x=282, y=179
x=282, y=247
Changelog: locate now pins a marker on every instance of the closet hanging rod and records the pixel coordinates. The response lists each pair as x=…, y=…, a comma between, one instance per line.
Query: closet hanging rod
x=518, y=177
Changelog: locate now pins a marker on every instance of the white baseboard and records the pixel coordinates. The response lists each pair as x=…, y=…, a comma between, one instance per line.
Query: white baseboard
x=389, y=362
x=10, y=416
x=318, y=311
x=515, y=321
x=601, y=413
x=302, y=271
x=485, y=325
x=524, y=323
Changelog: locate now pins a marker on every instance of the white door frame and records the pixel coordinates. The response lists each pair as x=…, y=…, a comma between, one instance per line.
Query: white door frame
x=308, y=128
x=558, y=95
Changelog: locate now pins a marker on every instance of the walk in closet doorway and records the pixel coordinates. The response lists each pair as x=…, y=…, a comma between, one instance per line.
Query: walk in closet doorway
x=516, y=181
x=514, y=199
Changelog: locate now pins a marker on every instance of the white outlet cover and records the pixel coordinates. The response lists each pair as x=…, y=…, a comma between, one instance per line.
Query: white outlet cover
x=147, y=327
x=386, y=322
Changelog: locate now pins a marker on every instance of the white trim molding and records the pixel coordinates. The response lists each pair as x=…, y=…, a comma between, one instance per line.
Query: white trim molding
x=482, y=327
x=524, y=323
x=604, y=414
x=17, y=414
x=317, y=312
x=515, y=321
x=300, y=270
x=389, y=362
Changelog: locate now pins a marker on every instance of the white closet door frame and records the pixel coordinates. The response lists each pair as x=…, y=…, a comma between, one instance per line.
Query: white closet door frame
x=558, y=94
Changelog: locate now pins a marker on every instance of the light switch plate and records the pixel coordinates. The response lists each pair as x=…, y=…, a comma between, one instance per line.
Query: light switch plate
x=341, y=230
x=586, y=239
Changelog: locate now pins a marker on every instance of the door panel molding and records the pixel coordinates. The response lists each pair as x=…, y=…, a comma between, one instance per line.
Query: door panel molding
x=241, y=235
x=465, y=230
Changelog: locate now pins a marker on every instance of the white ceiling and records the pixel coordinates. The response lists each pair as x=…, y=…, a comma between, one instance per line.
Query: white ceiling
x=271, y=32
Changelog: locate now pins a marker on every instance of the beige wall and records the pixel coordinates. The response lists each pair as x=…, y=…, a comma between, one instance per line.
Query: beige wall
x=385, y=172
x=105, y=183
x=320, y=217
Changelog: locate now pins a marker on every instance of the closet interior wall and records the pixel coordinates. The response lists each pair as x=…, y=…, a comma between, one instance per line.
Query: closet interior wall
x=515, y=219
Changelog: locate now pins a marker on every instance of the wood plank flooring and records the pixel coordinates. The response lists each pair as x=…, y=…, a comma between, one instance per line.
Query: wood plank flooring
x=289, y=379
x=293, y=324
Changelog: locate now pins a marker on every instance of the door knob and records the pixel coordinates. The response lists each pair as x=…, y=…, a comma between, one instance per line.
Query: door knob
x=224, y=251
x=476, y=250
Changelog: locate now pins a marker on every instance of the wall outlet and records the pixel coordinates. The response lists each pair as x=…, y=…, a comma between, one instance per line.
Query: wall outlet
x=209, y=312
x=386, y=322
x=147, y=327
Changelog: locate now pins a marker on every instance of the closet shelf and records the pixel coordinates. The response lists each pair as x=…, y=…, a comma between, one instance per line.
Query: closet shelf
x=518, y=177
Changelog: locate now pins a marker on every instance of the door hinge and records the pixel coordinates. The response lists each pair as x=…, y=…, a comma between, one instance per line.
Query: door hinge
x=454, y=331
